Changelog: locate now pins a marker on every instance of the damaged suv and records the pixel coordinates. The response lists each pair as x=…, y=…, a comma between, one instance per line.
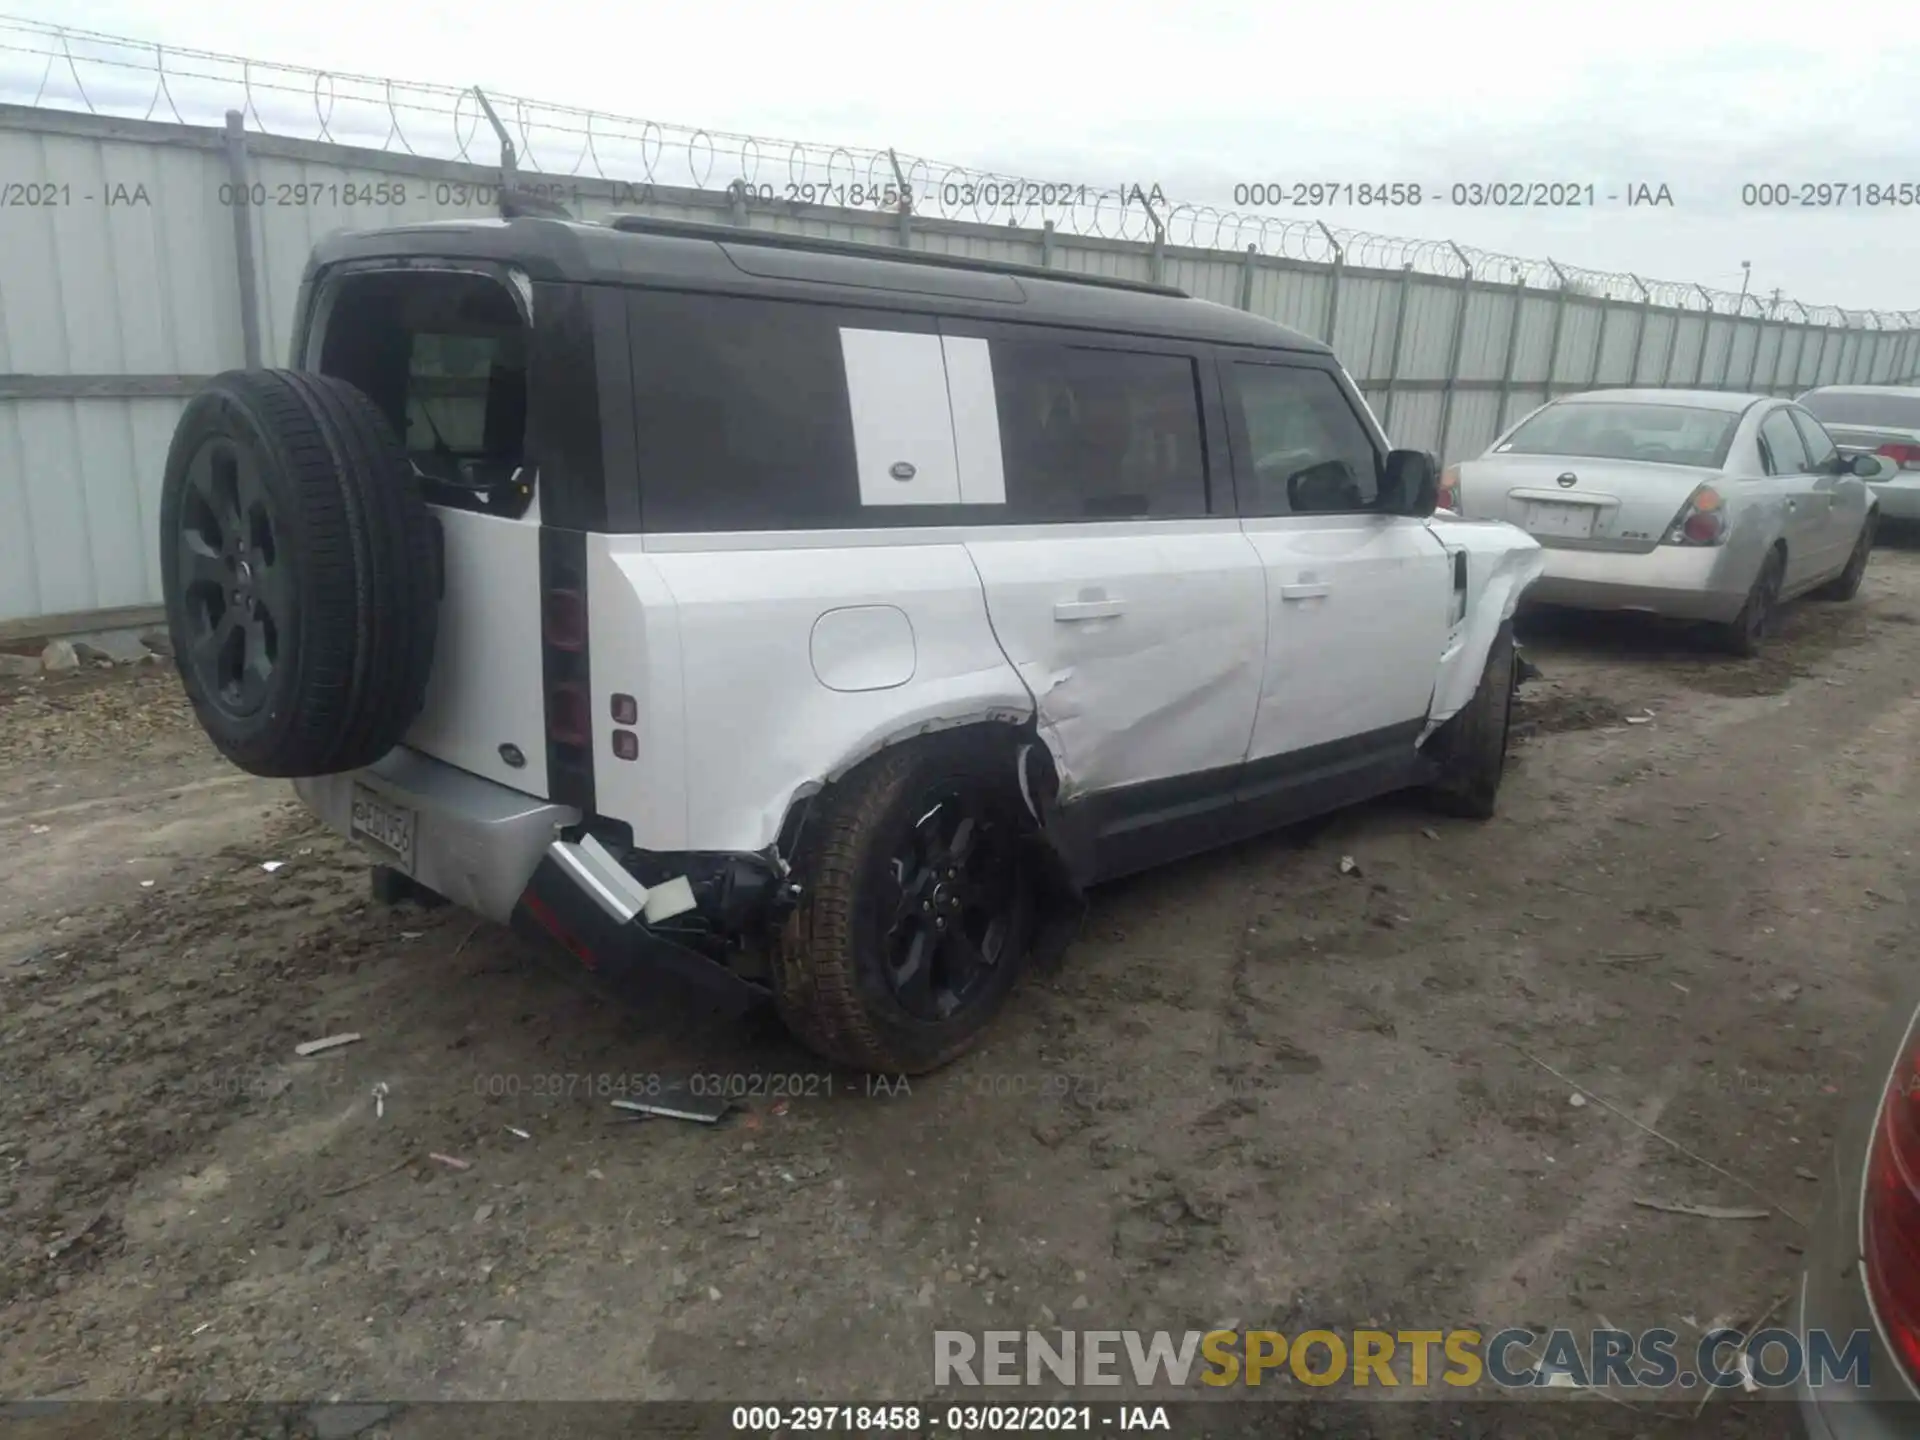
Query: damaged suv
x=806, y=622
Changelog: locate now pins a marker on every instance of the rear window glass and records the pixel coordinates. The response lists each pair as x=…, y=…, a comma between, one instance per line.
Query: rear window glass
x=444, y=356
x=1663, y=434
x=1899, y=411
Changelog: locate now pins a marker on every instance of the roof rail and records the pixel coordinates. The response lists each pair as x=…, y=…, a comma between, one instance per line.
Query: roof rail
x=736, y=235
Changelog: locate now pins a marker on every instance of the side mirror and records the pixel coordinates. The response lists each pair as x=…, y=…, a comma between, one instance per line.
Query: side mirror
x=1872, y=467
x=1410, y=483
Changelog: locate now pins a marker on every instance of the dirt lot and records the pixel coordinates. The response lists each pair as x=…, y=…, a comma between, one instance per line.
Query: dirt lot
x=1259, y=1090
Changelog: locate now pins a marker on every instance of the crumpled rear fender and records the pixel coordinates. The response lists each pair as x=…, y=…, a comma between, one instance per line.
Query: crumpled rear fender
x=1502, y=561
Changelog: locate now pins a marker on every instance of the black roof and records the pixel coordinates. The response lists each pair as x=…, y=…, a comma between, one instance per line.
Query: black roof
x=680, y=255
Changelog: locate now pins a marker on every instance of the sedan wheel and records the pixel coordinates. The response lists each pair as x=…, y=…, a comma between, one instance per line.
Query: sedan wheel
x=1750, y=628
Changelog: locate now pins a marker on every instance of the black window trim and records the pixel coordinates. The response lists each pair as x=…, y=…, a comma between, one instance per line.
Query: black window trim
x=1225, y=357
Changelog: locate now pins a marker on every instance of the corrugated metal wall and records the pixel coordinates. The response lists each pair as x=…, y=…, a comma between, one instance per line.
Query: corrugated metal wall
x=122, y=290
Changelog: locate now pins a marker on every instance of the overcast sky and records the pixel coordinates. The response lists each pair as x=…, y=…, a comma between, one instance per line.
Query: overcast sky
x=1199, y=95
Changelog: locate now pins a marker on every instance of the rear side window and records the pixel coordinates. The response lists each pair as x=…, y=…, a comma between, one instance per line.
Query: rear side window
x=1306, y=450
x=1781, y=445
x=1098, y=434
x=742, y=414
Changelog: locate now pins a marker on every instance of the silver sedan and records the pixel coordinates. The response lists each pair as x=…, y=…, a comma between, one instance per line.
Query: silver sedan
x=1693, y=504
x=1882, y=419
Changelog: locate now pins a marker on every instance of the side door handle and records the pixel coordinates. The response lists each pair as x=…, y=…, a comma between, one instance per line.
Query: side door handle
x=1308, y=591
x=1066, y=611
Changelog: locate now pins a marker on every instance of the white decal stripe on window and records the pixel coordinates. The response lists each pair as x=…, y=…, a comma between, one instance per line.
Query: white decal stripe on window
x=902, y=427
x=976, y=421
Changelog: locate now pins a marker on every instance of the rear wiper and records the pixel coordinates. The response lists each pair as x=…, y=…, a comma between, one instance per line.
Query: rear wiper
x=440, y=446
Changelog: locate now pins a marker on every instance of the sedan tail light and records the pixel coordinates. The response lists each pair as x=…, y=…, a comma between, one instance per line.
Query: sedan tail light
x=1701, y=521
x=1891, y=1209
x=1907, y=457
x=1448, y=495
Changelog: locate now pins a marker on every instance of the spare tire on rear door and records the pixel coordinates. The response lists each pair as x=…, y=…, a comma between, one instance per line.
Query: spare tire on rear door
x=301, y=572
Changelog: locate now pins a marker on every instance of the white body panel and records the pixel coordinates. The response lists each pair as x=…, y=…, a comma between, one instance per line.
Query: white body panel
x=1141, y=642
x=759, y=728
x=1501, y=563
x=1357, y=612
x=486, y=688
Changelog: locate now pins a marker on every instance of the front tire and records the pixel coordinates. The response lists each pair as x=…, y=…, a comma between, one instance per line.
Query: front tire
x=918, y=908
x=1472, y=746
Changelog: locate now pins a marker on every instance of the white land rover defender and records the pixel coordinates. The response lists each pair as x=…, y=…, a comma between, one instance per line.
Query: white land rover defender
x=807, y=622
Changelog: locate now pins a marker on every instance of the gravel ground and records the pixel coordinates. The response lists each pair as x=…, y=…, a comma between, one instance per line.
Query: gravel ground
x=1259, y=1089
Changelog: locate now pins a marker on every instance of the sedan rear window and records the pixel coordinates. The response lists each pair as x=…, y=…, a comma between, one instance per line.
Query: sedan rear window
x=1662, y=434
x=1900, y=411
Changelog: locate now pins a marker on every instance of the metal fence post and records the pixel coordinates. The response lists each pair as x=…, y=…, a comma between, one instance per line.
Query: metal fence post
x=1246, y=278
x=1639, y=332
x=1753, y=360
x=1513, y=346
x=1673, y=347
x=1454, y=349
x=1873, y=350
x=242, y=181
x=1393, y=356
x=1733, y=339
x=1333, y=285
x=1706, y=334
x=1802, y=330
x=1820, y=361
x=1559, y=323
x=906, y=201
x=1046, y=245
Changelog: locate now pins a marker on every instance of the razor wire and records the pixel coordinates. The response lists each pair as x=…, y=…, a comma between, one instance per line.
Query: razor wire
x=62, y=67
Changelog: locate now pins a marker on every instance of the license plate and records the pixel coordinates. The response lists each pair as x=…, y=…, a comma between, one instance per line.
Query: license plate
x=1573, y=522
x=385, y=827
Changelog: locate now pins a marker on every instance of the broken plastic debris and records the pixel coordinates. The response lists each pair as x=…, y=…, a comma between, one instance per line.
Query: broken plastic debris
x=380, y=1093
x=452, y=1162
x=1577, y=1100
x=331, y=1042
x=146, y=884
x=1348, y=866
x=271, y=865
x=38, y=829
x=677, y=1104
x=516, y=1130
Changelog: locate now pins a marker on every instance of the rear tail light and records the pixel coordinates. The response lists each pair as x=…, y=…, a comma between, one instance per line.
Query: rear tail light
x=1702, y=520
x=566, y=619
x=1448, y=495
x=568, y=714
x=1891, y=1209
x=1907, y=457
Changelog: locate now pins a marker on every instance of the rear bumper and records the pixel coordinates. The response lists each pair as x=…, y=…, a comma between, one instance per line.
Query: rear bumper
x=1899, y=499
x=475, y=842
x=507, y=856
x=1684, y=582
